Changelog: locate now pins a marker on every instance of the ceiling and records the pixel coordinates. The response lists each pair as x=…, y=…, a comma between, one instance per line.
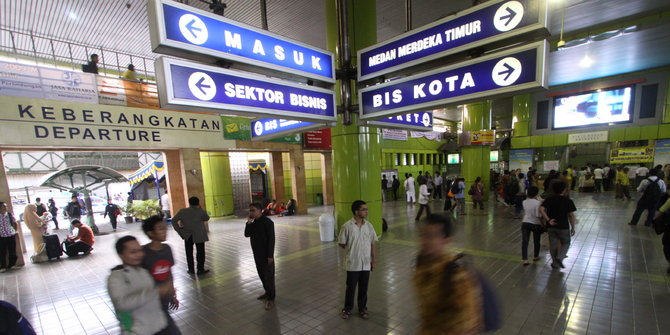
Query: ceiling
x=122, y=26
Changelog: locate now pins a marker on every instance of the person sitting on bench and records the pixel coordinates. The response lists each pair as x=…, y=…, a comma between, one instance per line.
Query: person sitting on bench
x=83, y=242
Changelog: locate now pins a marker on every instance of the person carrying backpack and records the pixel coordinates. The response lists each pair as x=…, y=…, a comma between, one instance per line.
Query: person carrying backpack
x=651, y=188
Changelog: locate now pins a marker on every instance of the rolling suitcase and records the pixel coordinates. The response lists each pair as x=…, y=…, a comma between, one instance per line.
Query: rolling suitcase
x=52, y=246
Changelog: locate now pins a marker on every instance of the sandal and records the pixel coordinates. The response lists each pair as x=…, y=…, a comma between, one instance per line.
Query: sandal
x=525, y=263
x=365, y=315
x=345, y=314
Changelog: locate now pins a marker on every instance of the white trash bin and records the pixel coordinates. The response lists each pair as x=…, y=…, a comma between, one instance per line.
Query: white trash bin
x=327, y=227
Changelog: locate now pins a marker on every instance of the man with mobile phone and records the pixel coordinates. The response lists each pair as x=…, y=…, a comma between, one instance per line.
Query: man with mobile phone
x=261, y=231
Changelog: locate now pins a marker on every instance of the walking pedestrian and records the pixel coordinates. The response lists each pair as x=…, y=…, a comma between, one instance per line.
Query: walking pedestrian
x=531, y=223
x=409, y=189
x=477, y=194
x=459, y=195
x=424, y=196
x=8, y=227
x=191, y=225
x=559, y=213
x=53, y=209
x=651, y=188
x=395, y=185
x=113, y=211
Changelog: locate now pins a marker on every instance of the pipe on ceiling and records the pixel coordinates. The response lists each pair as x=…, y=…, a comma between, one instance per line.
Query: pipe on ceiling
x=344, y=57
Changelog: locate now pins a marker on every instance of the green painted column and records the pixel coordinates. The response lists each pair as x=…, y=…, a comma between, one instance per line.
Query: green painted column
x=357, y=155
x=521, y=115
x=218, y=183
x=476, y=116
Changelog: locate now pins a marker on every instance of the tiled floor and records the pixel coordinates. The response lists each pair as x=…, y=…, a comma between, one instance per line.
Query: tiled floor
x=614, y=282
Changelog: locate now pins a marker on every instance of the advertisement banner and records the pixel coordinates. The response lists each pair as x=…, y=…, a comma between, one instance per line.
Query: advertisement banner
x=479, y=137
x=430, y=135
x=141, y=95
x=596, y=136
x=236, y=128
x=520, y=159
x=47, y=83
x=42, y=123
x=632, y=155
x=394, y=134
x=662, y=152
x=318, y=139
x=551, y=165
x=111, y=91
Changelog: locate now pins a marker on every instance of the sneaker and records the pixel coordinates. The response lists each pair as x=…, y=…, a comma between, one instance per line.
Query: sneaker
x=560, y=263
x=202, y=272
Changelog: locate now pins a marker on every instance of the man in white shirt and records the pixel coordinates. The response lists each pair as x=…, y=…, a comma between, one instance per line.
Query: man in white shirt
x=648, y=200
x=606, y=178
x=598, y=176
x=409, y=189
x=438, y=185
x=357, y=238
x=165, y=204
x=641, y=173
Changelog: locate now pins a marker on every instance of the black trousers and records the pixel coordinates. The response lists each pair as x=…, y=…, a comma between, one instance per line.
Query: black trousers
x=360, y=278
x=651, y=211
x=7, y=252
x=526, y=229
x=77, y=247
x=395, y=194
x=421, y=208
x=266, y=272
x=666, y=244
x=438, y=192
x=54, y=218
x=112, y=220
x=200, y=256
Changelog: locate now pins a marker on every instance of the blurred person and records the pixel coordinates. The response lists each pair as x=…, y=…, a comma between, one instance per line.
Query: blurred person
x=40, y=207
x=35, y=223
x=73, y=209
x=12, y=322
x=459, y=196
x=452, y=297
x=271, y=208
x=531, y=223
x=290, y=208
x=261, y=233
x=281, y=208
x=113, y=211
x=666, y=235
x=83, y=242
x=438, y=185
x=622, y=183
x=570, y=177
x=165, y=205
x=652, y=189
x=130, y=73
x=8, y=229
x=158, y=260
x=191, y=222
x=134, y=293
x=477, y=194
x=357, y=238
x=395, y=185
x=385, y=186
x=53, y=209
x=559, y=213
x=429, y=182
x=409, y=189
x=520, y=195
x=641, y=173
x=92, y=65
x=424, y=196
x=598, y=176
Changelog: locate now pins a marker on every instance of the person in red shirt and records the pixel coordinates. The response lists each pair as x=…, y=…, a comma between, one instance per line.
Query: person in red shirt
x=83, y=242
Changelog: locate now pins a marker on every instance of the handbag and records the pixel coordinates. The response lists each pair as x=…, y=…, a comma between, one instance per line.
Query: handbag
x=660, y=223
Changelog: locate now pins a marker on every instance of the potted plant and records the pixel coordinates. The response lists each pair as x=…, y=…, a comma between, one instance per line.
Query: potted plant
x=143, y=209
x=128, y=210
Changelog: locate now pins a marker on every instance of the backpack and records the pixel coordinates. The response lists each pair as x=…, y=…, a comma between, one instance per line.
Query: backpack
x=652, y=194
x=41, y=209
x=472, y=190
x=513, y=187
x=490, y=302
x=455, y=189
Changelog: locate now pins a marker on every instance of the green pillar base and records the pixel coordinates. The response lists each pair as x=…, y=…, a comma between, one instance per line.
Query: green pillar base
x=218, y=183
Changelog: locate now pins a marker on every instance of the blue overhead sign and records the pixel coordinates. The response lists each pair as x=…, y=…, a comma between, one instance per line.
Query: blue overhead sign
x=190, y=31
x=270, y=128
x=504, y=72
x=417, y=121
x=190, y=86
x=480, y=25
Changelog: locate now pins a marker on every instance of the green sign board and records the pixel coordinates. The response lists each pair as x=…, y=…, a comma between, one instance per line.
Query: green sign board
x=236, y=128
x=453, y=159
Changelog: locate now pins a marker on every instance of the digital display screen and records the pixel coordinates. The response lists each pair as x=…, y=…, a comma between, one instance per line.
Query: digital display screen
x=453, y=159
x=612, y=105
x=493, y=156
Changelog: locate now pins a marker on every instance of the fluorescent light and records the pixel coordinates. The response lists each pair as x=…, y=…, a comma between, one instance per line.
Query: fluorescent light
x=586, y=62
x=73, y=16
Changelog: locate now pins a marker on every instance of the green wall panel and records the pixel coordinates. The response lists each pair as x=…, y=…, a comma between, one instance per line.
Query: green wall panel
x=664, y=131
x=649, y=132
x=520, y=142
x=617, y=134
x=560, y=139
x=632, y=134
x=535, y=141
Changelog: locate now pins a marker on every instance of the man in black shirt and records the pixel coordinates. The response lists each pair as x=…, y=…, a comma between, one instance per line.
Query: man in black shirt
x=92, y=66
x=559, y=212
x=261, y=231
x=112, y=210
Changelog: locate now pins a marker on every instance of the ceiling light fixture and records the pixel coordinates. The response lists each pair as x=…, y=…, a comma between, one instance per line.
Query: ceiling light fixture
x=586, y=62
x=72, y=16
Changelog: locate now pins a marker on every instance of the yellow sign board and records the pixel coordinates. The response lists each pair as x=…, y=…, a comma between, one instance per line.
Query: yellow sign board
x=632, y=155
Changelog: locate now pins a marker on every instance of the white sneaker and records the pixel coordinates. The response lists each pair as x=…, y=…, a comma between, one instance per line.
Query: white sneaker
x=3, y=270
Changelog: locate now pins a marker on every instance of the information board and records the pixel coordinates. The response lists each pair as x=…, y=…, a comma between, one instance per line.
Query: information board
x=417, y=121
x=480, y=25
x=194, y=87
x=504, y=72
x=264, y=129
x=183, y=31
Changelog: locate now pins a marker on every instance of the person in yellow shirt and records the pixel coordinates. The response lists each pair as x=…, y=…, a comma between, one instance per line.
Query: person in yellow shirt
x=622, y=183
x=130, y=74
x=568, y=177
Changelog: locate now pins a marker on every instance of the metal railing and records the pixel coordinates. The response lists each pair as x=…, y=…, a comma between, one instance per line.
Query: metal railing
x=62, y=53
